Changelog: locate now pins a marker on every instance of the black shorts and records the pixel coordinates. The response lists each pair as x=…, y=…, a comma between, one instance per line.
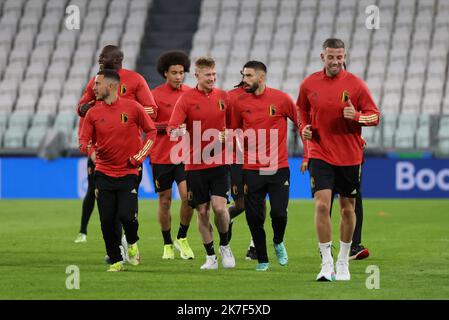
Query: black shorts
x=344, y=180
x=165, y=174
x=116, y=195
x=204, y=183
x=236, y=181
x=257, y=187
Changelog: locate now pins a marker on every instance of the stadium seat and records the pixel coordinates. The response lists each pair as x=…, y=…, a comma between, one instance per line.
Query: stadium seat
x=13, y=138
x=404, y=138
x=42, y=120
x=34, y=137
x=64, y=122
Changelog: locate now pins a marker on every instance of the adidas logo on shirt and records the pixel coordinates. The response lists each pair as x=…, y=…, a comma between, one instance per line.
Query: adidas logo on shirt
x=286, y=183
x=133, y=191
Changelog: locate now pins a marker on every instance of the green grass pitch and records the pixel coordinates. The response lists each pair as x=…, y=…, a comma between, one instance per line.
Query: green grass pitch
x=408, y=241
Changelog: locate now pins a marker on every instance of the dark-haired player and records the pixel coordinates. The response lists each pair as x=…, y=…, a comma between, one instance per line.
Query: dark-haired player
x=172, y=65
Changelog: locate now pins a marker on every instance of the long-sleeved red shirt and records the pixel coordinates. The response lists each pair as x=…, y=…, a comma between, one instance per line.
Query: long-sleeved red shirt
x=335, y=139
x=234, y=95
x=166, y=98
x=117, y=130
x=132, y=86
x=257, y=116
x=202, y=112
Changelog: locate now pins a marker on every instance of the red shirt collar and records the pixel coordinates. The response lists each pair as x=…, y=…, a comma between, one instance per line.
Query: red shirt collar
x=340, y=75
x=170, y=88
x=204, y=93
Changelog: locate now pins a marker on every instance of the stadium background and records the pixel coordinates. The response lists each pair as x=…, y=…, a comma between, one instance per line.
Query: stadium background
x=49, y=50
x=46, y=59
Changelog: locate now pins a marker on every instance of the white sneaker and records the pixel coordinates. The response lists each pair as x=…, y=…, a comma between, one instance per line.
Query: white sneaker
x=81, y=238
x=211, y=263
x=327, y=272
x=124, y=247
x=227, y=258
x=342, y=268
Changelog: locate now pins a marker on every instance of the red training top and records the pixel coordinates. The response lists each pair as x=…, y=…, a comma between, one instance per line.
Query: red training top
x=208, y=111
x=166, y=98
x=234, y=95
x=117, y=130
x=321, y=100
x=260, y=114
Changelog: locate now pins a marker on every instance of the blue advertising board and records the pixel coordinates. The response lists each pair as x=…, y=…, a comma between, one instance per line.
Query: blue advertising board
x=66, y=178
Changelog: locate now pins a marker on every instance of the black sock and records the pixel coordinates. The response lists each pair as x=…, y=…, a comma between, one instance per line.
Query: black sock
x=209, y=248
x=182, y=232
x=223, y=239
x=167, y=236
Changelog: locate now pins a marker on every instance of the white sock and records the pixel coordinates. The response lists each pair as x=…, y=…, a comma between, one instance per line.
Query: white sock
x=251, y=244
x=325, y=249
x=344, y=251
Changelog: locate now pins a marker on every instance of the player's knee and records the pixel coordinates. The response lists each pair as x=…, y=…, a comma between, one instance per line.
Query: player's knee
x=278, y=214
x=347, y=212
x=164, y=203
x=322, y=207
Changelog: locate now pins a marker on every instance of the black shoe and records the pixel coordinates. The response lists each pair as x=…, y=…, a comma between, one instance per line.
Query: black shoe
x=230, y=231
x=358, y=252
x=251, y=254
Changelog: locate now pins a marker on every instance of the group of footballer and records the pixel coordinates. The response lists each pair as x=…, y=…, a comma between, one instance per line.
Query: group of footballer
x=212, y=143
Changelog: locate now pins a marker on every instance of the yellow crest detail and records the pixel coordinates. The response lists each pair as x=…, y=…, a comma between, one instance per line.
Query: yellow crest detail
x=221, y=105
x=122, y=89
x=344, y=96
x=123, y=117
x=272, y=110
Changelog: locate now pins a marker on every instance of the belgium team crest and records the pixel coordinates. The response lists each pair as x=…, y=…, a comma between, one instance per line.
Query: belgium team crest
x=344, y=96
x=123, y=117
x=272, y=110
x=221, y=105
x=122, y=89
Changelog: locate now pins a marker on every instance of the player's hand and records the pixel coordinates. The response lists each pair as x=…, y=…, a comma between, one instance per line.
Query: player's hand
x=85, y=107
x=133, y=163
x=307, y=132
x=180, y=131
x=349, y=111
x=303, y=167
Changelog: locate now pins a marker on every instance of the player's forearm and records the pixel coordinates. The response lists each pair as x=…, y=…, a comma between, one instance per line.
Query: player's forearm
x=367, y=119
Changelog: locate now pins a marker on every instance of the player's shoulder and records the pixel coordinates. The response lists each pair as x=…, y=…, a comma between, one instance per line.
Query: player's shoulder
x=235, y=93
x=130, y=102
x=159, y=88
x=185, y=88
x=316, y=76
x=278, y=93
x=130, y=74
